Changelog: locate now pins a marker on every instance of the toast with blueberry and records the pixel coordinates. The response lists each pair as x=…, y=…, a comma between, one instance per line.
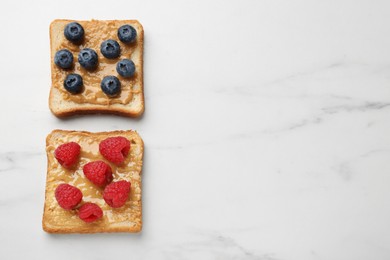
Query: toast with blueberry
x=96, y=67
x=93, y=182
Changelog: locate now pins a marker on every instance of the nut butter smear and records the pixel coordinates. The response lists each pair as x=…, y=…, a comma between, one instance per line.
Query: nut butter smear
x=95, y=33
x=92, y=193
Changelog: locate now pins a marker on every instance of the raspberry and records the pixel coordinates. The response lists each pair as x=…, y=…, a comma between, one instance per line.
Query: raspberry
x=98, y=172
x=117, y=193
x=67, y=154
x=115, y=149
x=89, y=212
x=68, y=196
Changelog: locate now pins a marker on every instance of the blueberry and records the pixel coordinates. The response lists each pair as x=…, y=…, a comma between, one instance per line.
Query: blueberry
x=125, y=68
x=63, y=59
x=110, y=49
x=111, y=86
x=88, y=59
x=73, y=83
x=127, y=33
x=74, y=32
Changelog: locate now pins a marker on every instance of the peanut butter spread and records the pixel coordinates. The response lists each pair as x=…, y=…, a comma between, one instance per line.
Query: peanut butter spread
x=128, y=215
x=95, y=33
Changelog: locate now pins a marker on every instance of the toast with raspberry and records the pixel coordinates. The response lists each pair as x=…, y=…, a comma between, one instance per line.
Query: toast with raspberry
x=96, y=67
x=93, y=182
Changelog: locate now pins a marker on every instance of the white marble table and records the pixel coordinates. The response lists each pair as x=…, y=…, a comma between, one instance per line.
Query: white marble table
x=267, y=129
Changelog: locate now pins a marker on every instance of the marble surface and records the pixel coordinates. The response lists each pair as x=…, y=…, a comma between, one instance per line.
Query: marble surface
x=266, y=130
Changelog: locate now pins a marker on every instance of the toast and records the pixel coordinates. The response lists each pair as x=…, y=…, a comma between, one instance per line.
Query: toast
x=130, y=101
x=127, y=218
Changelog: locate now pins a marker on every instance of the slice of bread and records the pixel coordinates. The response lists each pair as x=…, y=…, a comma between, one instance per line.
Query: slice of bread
x=127, y=218
x=130, y=102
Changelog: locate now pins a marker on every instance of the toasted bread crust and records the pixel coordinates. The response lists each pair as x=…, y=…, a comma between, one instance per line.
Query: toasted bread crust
x=50, y=225
x=65, y=108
